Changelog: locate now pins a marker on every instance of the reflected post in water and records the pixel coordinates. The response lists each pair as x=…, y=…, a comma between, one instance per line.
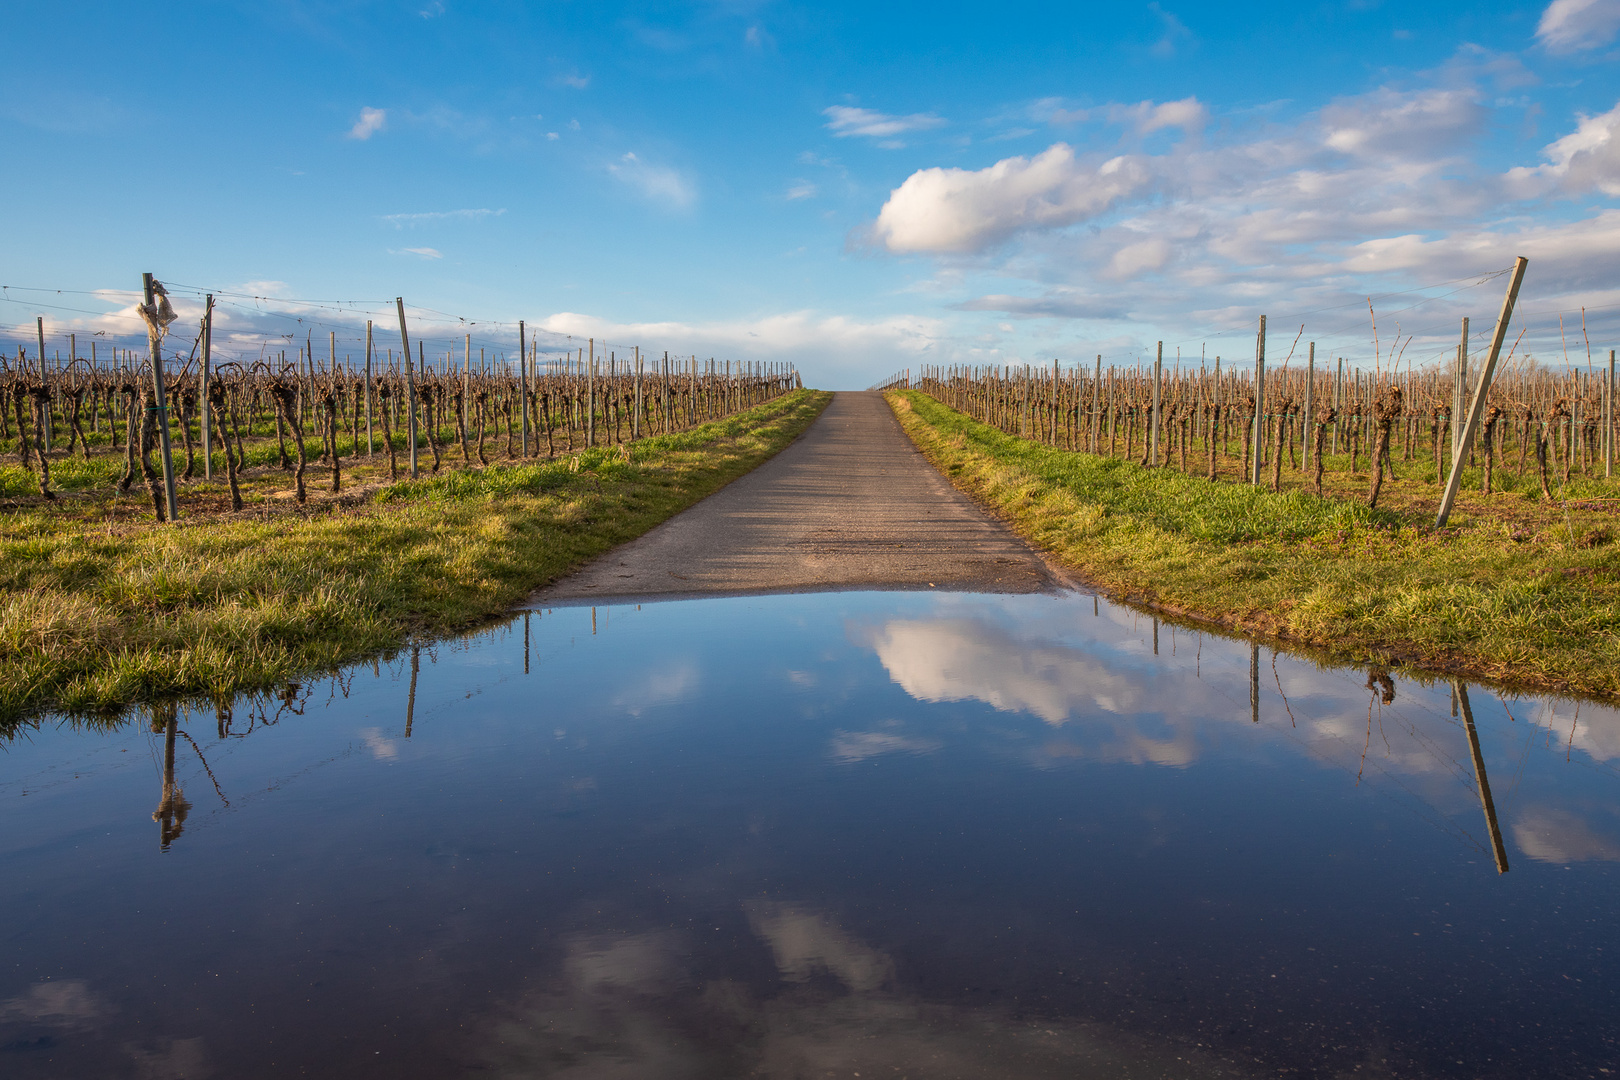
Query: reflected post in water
x=410, y=699
x=1254, y=683
x=172, y=806
x=1459, y=700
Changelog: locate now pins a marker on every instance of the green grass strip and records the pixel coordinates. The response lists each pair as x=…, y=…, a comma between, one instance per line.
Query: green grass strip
x=94, y=619
x=1371, y=587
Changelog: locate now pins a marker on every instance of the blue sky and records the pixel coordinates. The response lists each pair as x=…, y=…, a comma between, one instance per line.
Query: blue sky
x=854, y=188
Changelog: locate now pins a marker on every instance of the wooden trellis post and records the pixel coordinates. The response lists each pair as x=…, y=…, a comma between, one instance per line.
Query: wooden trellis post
x=1259, y=438
x=157, y=317
x=1480, y=392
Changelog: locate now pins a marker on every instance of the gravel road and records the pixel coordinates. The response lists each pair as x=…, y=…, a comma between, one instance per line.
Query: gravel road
x=851, y=504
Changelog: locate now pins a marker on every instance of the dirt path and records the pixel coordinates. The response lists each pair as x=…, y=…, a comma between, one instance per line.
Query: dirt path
x=851, y=505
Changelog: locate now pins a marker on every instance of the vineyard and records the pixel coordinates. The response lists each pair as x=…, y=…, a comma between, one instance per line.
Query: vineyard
x=1542, y=431
x=118, y=424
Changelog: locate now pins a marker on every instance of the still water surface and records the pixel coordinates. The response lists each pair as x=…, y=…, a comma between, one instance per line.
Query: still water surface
x=866, y=834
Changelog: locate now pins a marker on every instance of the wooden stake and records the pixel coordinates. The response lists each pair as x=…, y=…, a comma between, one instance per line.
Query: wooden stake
x=1158, y=379
x=1484, y=388
x=410, y=380
x=371, y=450
x=523, y=386
x=1459, y=393
x=39, y=324
x=202, y=403
x=155, y=342
x=1259, y=401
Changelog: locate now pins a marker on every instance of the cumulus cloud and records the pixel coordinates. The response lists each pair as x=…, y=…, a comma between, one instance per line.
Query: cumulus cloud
x=1587, y=159
x=956, y=210
x=1389, y=123
x=1188, y=114
x=846, y=120
x=1569, y=26
x=1139, y=258
x=371, y=121
x=1564, y=252
x=1548, y=834
x=945, y=659
x=1378, y=191
x=657, y=183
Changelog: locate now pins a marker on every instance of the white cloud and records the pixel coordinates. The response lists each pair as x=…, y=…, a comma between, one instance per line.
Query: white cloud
x=1145, y=117
x=1378, y=192
x=846, y=120
x=805, y=942
x=849, y=747
x=945, y=659
x=1188, y=114
x=1571, y=252
x=1394, y=124
x=575, y=80
x=831, y=350
x=61, y=1003
x=1576, y=25
x=1175, y=32
x=381, y=746
x=1587, y=159
x=801, y=189
x=419, y=252
x=955, y=210
x=399, y=221
x=1139, y=258
x=1548, y=834
x=371, y=121
x=657, y=183
x=1056, y=304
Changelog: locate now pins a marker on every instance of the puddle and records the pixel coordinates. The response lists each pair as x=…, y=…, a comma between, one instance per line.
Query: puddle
x=875, y=834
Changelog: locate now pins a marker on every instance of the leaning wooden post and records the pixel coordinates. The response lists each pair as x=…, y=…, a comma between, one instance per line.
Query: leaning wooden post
x=1474, y=410
x=1258, y=439
x=154, y=338
x=410, y=380
x=1459, y=697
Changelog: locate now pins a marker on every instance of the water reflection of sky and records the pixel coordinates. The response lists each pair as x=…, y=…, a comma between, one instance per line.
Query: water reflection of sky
x=889, y=833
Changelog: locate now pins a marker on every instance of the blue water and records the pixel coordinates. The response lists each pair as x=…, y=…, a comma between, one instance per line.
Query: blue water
x=885, y=834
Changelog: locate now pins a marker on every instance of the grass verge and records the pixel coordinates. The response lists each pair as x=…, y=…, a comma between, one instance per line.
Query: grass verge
x=1488, y=597
x=98, y=612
